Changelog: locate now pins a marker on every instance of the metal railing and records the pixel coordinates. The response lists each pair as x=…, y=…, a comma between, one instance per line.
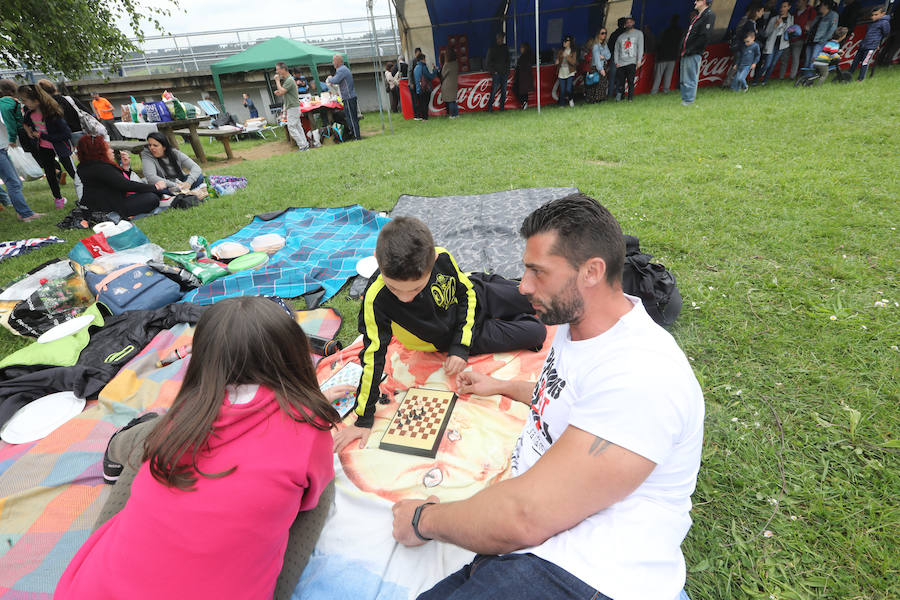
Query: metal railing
x=186, y=52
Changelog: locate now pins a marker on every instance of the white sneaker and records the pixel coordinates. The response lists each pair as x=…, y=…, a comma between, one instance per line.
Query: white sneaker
x=571, y=103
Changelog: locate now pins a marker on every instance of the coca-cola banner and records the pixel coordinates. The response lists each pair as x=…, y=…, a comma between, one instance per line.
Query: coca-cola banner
x=475, y=88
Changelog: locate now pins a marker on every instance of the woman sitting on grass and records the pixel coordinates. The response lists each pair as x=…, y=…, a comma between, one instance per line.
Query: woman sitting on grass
x=162, y=162
x=107, y=187
x=224, y=473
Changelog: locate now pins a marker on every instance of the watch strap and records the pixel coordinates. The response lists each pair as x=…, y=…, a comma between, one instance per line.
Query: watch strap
x=415, y=522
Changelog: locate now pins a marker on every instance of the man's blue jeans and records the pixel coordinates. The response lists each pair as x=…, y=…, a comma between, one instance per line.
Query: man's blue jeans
x=689, y=76
x=812, y=51
x=351, y=106
x=13, y=185
x=519, y=576
x=498, y=84
x=771, y=61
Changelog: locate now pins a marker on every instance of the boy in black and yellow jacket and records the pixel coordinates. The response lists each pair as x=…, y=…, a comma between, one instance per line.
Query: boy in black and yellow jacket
x=420, y=296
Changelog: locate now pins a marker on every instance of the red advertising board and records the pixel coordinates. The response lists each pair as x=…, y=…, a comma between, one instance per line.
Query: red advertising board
x=475, y=88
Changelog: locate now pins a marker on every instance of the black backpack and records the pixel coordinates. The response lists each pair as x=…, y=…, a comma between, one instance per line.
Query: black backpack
x=651, y=282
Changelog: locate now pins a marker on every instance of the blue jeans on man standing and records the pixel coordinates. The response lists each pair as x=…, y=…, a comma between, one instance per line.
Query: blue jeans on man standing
x=762, y=75
x=611, y=74
x=689, y=76
x=13, y=185
x=350, y=107
x=511, y=576
x=498, y=83
x=812, y=51
x=452, y=109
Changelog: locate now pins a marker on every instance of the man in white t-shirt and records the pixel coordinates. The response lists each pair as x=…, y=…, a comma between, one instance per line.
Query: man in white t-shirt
x=603, y=471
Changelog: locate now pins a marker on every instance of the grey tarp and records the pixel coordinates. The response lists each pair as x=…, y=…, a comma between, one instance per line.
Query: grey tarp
x=481, y=232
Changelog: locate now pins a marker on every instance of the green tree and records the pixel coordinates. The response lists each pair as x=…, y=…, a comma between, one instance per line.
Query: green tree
x=71, y=36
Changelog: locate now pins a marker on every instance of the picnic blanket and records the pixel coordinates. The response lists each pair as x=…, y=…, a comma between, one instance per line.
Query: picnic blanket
x=51, y=491
x=19, y=247
x=321, y=250
x=482, y=232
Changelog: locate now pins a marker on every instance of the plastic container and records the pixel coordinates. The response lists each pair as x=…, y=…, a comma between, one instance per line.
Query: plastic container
x=270, y=243
x=248, y=262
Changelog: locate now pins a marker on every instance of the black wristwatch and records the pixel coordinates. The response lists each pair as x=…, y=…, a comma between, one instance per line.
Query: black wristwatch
x=415, y=522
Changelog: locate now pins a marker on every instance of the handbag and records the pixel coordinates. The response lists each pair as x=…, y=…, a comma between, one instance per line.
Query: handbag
x=86, y=250
x=134, y=287
x=24, y=164
x=89, y=124
x=592, y=78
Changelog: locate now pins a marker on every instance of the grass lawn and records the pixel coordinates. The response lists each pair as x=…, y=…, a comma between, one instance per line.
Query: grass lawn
x=778, y=212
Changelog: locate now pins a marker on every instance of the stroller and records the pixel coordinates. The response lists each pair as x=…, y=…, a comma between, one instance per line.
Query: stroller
x=808, y=75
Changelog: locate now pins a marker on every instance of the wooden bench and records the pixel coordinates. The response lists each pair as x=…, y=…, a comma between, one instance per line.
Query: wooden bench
x=132, y=146
x=223, y=135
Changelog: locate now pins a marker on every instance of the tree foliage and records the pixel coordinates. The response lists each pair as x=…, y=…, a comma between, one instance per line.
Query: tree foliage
x=72, y=36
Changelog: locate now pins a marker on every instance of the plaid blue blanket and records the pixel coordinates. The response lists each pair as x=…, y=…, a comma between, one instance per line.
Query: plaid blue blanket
x=322, y=248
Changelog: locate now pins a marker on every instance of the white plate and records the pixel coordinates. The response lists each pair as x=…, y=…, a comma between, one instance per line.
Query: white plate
x=39, y=418
x=68, y=328
x=367, y=266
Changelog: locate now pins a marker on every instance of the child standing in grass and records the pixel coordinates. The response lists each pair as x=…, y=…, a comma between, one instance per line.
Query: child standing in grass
x=831, y=53
x=746, y=62
x=878, y=30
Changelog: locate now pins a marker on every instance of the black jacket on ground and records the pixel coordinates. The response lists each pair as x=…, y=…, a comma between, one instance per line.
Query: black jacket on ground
x=106, y=188
x=698, y=35
x=121, y=338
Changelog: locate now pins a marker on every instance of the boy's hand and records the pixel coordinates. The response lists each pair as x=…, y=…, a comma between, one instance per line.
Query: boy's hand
x=348, y=433
x=454, y=365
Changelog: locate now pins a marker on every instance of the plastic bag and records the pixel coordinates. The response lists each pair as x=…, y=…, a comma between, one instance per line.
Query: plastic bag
x=25, y=285
x=25, y=164
x=204, y=269
x=55, y=302
x=142, y=254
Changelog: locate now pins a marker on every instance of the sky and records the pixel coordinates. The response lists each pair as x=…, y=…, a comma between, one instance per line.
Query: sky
x=207, y=15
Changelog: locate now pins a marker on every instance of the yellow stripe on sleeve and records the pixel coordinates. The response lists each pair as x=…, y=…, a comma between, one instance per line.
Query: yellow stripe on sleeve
x=366, y=381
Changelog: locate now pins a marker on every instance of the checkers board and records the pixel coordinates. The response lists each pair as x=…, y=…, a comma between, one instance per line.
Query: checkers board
x=419, y=424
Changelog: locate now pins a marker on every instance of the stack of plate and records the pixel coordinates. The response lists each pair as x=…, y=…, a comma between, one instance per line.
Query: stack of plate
x=270, y=243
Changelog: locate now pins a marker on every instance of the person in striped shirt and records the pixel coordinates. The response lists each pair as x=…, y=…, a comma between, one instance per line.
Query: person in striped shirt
x=831, y=51
x=420, y=296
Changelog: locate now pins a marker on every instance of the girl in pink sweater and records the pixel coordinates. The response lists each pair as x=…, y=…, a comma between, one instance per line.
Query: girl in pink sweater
x=245, y=446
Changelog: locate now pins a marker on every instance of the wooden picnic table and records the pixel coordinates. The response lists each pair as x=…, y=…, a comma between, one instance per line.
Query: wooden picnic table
x=169, y=127
x=223, y=135
x=132, y=146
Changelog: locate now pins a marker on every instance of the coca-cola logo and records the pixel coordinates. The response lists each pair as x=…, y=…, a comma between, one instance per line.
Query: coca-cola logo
x=469, y=96
x=713, y=69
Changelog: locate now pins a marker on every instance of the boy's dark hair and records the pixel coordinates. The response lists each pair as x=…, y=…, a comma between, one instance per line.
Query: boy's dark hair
x=839, y=33
x=750, y=34
x=405, y=249
x=584, y=230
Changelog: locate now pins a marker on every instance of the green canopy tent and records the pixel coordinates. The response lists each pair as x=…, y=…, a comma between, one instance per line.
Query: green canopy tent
x=264, y=55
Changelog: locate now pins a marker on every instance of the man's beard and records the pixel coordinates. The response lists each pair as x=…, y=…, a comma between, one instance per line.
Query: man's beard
x=566, y=308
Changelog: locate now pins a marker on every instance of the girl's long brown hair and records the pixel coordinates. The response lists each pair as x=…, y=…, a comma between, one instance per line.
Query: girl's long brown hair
x=50, y=108
x=248, y=340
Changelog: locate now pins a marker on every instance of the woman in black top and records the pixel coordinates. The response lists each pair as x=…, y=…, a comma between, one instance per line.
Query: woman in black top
x=106, y=187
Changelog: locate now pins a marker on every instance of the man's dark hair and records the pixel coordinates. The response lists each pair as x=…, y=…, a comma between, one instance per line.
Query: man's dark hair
x=584, y=230
x=281, y=65
x=405, y=249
